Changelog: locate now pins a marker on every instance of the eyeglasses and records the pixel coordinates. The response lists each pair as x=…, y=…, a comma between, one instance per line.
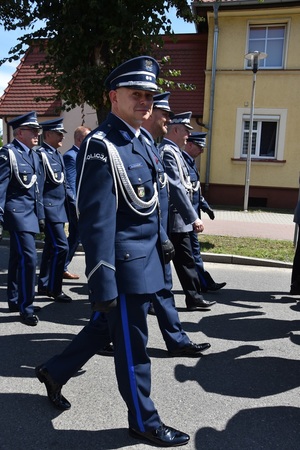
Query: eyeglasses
x=37, y=131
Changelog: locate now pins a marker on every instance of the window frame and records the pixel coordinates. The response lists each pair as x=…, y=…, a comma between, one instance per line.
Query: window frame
x=274, y=115
x=258, y=132
x=268, y=23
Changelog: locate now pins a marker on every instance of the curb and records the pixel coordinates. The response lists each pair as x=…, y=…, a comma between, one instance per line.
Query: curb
x=208, y=257
x=244, y=260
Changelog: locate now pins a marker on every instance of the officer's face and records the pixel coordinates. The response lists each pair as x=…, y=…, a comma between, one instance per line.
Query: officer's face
x=160, y=121
x=182, y=135
x=54, y=138
x=131, y=105
x=28, y=136
x=193, y=149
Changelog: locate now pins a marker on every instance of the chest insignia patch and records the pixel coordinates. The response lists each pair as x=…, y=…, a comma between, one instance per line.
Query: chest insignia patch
x=141, y=191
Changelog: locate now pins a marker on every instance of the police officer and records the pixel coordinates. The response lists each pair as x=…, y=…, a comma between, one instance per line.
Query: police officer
x=194, y=147
x=21, y=212
x=120, y=228
x=70, y=166
x=55, y=197
x=176, y=339
x=183, y=217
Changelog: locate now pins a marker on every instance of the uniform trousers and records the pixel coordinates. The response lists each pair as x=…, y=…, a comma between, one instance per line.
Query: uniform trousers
x=21, y=270
x=185, y=267
x=296, y=262
x=204, y=276
x=167, y=315
x=73, y=237
x=53, y=258
x=129, y=333
x=89, y=340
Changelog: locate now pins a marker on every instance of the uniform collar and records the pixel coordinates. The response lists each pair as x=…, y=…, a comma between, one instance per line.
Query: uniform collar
x=27, y=149
x=188, y=157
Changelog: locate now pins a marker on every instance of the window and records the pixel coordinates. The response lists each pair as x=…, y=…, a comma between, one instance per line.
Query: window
x=268, y=134
x=269, y=39
x=264, y=137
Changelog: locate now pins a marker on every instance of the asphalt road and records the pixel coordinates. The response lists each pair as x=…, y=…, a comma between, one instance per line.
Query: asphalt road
x=243, y=394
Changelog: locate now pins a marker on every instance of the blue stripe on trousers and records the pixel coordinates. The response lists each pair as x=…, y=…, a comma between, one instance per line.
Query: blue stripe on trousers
x=130, y=365
x=22, y=267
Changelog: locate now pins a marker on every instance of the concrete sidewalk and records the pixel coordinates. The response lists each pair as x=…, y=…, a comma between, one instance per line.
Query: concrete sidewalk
x=259, y=224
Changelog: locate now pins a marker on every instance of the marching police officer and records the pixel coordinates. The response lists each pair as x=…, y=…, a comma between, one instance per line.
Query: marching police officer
x=121, y=233
x=194, y=147
x=183, y=217
x=55, y=199
x=70, y=166
x=176, y=339
x=22, y=213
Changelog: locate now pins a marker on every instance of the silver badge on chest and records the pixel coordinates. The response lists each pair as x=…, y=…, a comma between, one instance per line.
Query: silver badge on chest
x=141, y=191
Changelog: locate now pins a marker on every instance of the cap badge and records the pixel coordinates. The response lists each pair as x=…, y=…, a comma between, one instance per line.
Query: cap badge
x=149, y=65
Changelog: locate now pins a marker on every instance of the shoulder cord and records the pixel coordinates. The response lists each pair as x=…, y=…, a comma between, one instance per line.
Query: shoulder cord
x=196, y=188
x=186, y=182
x=116, y=166
x=125, y=184
x=164, y=182
x=15, y=169
x=48, y=169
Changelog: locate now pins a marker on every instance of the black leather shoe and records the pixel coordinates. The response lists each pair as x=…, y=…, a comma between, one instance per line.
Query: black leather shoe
x=29, y=319
x=215, y=286
x=107, y=351
x=60, y=298
x=199, y=303
x=53, y=389
x=191, y=350
x=162, y=437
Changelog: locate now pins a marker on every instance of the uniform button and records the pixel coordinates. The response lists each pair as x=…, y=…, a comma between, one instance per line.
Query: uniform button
x=139, y=180
x=126, y=256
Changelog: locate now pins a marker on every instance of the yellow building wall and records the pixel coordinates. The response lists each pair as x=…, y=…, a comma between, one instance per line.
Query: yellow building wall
x=275, y=89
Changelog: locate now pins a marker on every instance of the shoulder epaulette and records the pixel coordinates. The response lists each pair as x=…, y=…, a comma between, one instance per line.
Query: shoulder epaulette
x=99, y=135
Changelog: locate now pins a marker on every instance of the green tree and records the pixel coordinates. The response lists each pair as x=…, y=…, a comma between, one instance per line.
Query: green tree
x=84, y=40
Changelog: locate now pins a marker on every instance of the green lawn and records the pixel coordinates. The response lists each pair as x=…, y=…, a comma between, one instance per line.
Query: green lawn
x=240, y=246
x=251, y=247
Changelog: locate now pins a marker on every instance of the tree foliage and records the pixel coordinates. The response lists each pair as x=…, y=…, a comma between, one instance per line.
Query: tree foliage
x=84, y=40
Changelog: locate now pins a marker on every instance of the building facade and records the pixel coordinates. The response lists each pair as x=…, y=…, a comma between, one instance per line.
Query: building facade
x=235, y=29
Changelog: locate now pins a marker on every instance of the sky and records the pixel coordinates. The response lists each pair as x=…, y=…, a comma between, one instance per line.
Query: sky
x=8, y=40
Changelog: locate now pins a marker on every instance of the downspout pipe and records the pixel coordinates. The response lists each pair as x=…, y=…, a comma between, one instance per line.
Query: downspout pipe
x=212, y=93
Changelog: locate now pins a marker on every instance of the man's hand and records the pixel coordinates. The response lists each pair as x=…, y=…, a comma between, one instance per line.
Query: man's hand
x=42, y=225
x=198, y=226
x=168, y=251
x=210, y=213
x=106, y=306
x=1, y=230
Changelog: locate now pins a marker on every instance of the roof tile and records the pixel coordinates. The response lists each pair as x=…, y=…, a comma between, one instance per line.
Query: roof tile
x=19, y=96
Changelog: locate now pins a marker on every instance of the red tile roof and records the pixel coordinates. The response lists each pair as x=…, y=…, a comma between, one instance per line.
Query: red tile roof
x=188, y=54
x=19, y=96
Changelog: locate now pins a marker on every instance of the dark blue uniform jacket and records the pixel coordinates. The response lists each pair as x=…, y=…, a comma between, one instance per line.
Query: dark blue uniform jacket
x=122, y=248
x=20, y=208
